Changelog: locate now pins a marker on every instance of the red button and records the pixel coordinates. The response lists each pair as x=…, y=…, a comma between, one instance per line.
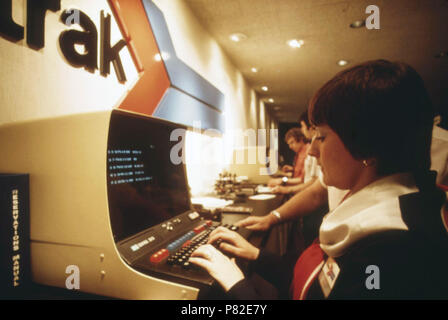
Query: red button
x=199, y=229
x=187, y=243
x=159, y=256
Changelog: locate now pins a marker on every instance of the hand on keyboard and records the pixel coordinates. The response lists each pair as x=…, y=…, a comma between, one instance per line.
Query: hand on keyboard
x=178, y=251
x=230, y=242
x=254, y=223
x=219, y=266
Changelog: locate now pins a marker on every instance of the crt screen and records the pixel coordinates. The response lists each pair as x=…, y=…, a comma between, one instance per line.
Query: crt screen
x=145, y=187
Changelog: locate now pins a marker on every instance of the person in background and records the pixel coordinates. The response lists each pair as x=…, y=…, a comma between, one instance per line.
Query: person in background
x=305, y=209
x=386, y=240
x=311, y=169
x=301, y=204
x=296, y=142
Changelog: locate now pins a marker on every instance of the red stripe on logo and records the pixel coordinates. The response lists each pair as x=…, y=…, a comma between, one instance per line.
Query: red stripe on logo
x=136, y=30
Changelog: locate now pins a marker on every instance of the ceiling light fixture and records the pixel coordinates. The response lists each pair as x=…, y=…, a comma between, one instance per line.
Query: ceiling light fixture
x=264, y=88
x=237, y=37
x=271, y=100
x=357, y=24
x=254, y=70
x=294, y=43
x=342, y=63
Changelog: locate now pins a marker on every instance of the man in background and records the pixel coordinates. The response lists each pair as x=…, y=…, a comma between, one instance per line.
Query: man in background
x=296, y=141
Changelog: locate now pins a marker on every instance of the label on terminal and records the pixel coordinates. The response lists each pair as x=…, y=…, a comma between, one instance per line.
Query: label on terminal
x=143, y=243
x=193, y=215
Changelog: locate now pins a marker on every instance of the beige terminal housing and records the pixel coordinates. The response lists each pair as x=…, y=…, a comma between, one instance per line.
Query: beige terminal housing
x=66, y=158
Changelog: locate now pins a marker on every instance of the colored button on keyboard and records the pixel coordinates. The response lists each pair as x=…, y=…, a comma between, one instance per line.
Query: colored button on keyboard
x=199, y=229
x=186, y=244
x=159, y=256
x=180, y=241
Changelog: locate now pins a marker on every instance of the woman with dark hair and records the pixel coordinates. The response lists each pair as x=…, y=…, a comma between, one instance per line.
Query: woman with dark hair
x=386, y=239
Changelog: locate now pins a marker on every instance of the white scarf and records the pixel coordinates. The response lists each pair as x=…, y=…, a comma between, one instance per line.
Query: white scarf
x=373, y=209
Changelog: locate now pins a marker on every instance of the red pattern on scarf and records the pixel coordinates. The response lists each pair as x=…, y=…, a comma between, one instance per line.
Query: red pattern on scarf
x=308, y=261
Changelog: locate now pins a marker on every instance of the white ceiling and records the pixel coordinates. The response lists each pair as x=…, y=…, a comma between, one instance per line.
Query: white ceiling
x=412, y=31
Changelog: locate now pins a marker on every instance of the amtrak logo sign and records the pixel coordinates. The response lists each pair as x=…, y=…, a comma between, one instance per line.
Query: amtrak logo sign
x=35, y=35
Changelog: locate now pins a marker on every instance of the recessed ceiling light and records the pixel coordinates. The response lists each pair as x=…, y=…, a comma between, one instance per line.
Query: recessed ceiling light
x=264, y=88
x=294, y=43
x=254, y=70
x=271, y=100
x=342, y=63
x=237, y=37
x=357, y=24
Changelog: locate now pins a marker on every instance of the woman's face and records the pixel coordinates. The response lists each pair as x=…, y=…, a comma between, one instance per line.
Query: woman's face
x=339, y=168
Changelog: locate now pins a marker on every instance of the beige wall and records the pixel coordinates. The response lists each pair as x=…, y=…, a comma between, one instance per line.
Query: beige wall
x=39, y=84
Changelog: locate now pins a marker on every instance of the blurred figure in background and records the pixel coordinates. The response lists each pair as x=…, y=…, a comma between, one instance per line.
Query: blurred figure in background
x=296, y=141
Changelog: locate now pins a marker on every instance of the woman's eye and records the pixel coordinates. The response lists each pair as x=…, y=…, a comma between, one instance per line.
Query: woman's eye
x=320, y=138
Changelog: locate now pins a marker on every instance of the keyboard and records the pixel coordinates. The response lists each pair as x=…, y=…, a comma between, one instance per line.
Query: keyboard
x=181, y=256
x=171, y=261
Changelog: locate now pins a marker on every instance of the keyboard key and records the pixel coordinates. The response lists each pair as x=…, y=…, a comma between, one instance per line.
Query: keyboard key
x=199, y=229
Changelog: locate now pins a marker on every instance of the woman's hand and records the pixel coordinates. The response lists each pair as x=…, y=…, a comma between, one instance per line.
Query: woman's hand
x=234, y=244
x=263, y=223
x=220, y=267
x=282, y=190
x=275, y=182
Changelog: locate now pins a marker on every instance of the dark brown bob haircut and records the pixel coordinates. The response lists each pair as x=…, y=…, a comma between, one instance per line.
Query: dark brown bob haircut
x=295, y=133
x=380, y=110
